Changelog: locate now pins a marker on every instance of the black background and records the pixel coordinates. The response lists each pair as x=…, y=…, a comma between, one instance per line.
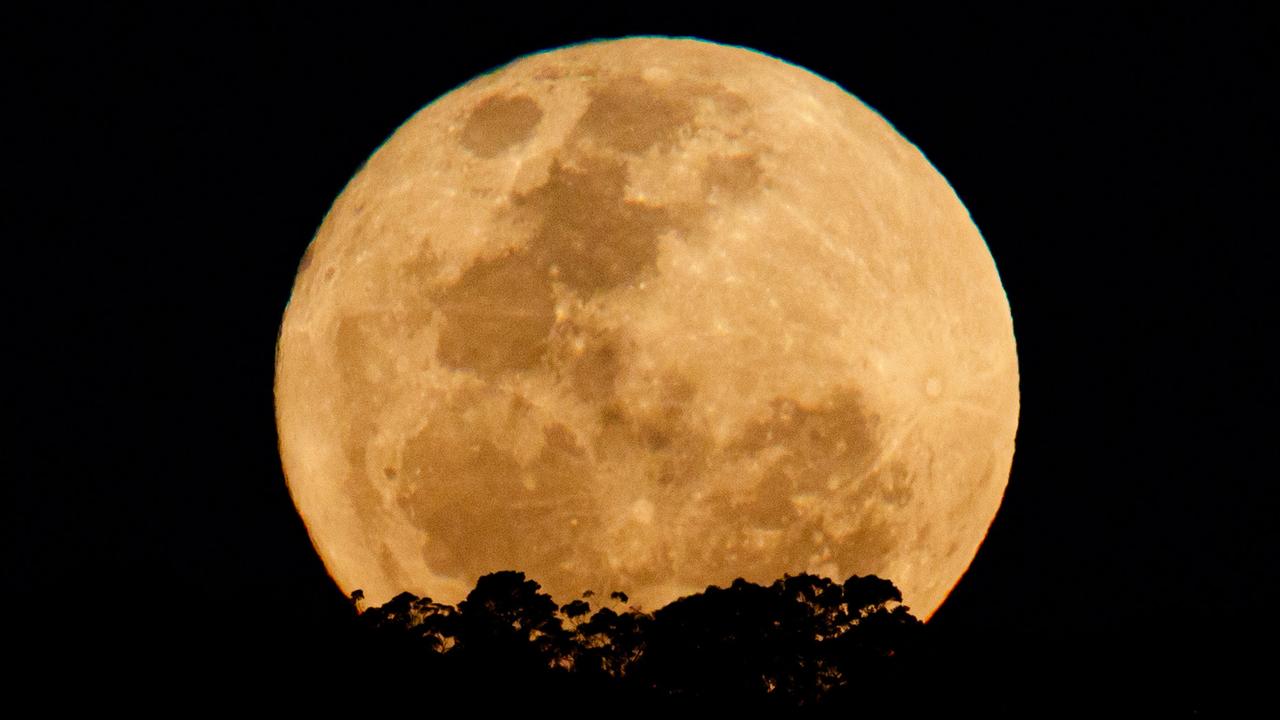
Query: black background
x=170, y=167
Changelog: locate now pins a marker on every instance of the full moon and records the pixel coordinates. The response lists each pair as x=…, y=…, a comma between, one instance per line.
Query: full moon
x=646, y=315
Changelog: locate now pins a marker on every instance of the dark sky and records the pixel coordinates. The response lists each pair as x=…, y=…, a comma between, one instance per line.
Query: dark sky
x=171, y=167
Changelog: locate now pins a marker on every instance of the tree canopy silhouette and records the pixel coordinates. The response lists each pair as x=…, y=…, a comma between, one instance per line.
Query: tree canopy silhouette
x=803, y=640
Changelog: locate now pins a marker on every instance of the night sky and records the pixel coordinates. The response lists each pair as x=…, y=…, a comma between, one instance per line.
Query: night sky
x=171, y=167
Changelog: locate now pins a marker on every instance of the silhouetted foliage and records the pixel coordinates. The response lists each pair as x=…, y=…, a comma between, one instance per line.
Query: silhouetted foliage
x=802, y=641
x=507, y=622
x=575, y=609
x=794, y=641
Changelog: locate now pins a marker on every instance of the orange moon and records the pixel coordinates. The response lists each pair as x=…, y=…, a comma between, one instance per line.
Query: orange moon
x=647, y=315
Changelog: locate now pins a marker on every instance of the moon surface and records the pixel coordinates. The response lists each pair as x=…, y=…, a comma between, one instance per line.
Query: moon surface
x=647, y=315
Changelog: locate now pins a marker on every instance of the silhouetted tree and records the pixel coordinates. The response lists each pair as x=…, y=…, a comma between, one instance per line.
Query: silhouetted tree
x=575, y=609
x=415, y=623
x=609, y=643
x=800, y=641
x=507, y=616
x=794, y=641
